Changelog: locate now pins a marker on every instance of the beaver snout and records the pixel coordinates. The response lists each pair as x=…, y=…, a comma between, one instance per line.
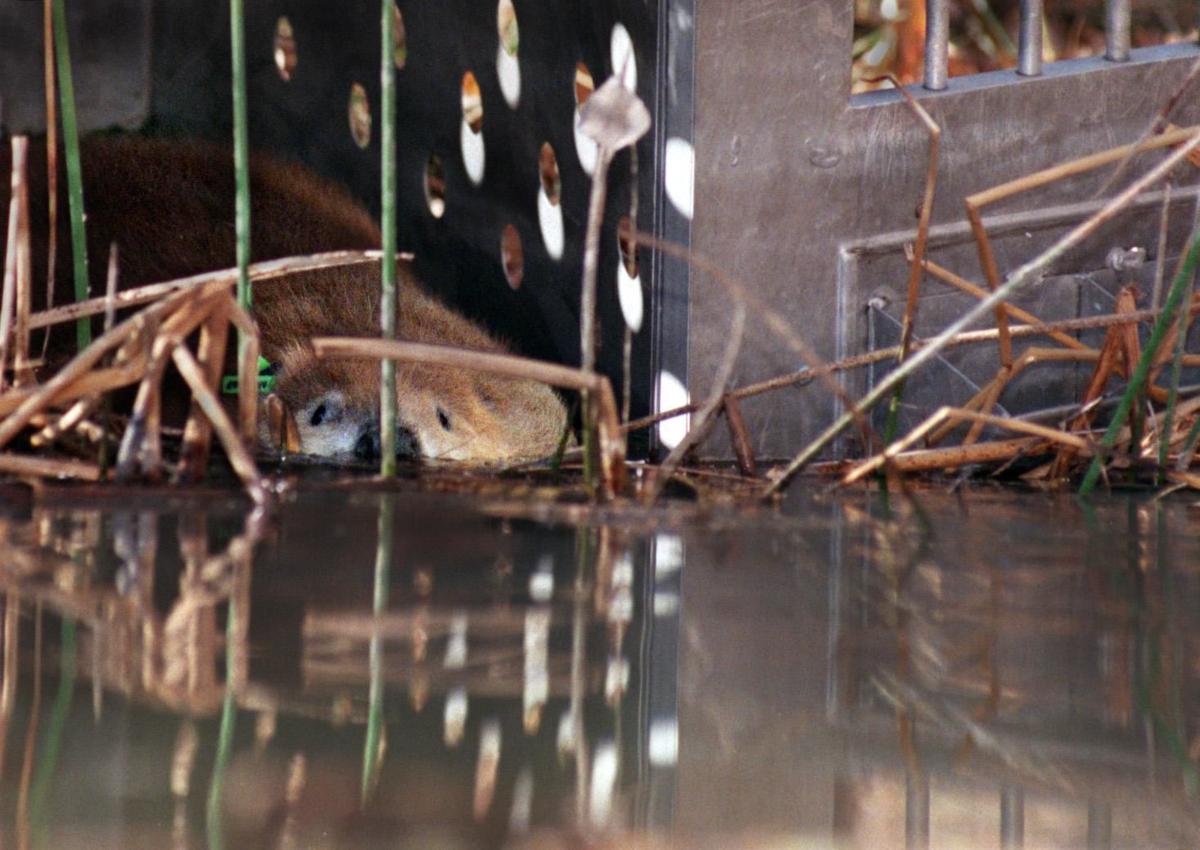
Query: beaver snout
x=368, y=445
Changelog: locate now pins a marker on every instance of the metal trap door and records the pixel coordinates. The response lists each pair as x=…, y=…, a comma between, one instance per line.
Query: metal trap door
x=810, y=195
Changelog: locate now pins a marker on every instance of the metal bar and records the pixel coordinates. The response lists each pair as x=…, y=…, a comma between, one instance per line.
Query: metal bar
x=1012, y=818
x=916, y=811
x=937, y=43
x=1116, y=30
x=1029, y=39
x=1099, y=825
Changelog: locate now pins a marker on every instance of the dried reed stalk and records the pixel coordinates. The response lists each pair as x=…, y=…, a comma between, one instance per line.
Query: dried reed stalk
x=19, y=148
x=239, y=456
x=1019, y=278
x=42, y=467
x=259, y=272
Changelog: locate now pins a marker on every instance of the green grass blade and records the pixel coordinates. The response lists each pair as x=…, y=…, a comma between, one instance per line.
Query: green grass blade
x=1179, y=287
x=70, y=127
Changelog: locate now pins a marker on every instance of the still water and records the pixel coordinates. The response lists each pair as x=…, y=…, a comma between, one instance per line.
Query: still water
x=419, y=670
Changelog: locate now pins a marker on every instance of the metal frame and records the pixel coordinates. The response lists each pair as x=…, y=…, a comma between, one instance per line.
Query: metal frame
x=799, y=183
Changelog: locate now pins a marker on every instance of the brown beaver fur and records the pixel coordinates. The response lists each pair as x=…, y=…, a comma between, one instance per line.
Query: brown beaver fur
x=169, y=207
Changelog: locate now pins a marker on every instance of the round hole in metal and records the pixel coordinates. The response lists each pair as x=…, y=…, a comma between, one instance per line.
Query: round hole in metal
x=471, y=131
x=399, y=38
x=624, y=63
x=548, y=169
x=672, y=394
x=285, y=49
x=550, y=214
x=506, y=25
x=629, y=282
x=512, y=256
x=435, y=186
x=508, y=68
x=472, y=102
x=359, y=111
x=679, y=168
x=585, y=148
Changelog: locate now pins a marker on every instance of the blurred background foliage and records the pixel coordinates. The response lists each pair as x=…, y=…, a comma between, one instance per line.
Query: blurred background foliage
x=889, y=35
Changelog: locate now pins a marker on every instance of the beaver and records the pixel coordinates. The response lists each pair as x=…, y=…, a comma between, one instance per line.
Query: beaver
x=169, y=206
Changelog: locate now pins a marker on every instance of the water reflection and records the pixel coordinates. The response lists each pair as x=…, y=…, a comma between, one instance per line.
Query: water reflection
x=360, y=669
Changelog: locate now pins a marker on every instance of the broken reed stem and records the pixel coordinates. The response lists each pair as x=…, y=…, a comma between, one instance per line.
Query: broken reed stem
x=42, y=467
x=239, y=456
x=197, y=432
x=611, y=441
x=258, y=273
x=1188, y=450
x=711, y=407
x=19, y=146
x=66, y=89
x=247, y=373
x=587, y=299
x=958, y=414
x=1185, y=274
x=1019, y=278
x=50, y=86
x=23, y=294
x=880, y=355
x=65, y=379
x=387, y=309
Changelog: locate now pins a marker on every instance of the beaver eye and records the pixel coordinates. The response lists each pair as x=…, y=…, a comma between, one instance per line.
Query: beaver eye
x=443, y=419
x=318, y=415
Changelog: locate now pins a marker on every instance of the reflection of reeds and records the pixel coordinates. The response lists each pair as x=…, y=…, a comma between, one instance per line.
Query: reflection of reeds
x=374, y=744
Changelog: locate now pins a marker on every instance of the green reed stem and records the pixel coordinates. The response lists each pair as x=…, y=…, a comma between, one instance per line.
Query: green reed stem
x=387, y=307
x=51, y=745
x=66, y=89
x=241, y=159
x=372, y=750
x=1179, y=287
x=214, y=823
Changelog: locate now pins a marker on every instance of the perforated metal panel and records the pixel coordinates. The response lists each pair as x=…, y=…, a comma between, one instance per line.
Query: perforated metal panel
x=458, y=254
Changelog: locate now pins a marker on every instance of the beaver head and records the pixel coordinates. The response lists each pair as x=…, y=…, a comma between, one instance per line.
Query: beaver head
x=441, y=413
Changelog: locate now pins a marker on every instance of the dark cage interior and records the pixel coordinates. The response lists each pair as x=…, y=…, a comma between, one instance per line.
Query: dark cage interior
x=164, y=69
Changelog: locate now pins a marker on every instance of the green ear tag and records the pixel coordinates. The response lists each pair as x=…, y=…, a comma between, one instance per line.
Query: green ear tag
x=266, y=379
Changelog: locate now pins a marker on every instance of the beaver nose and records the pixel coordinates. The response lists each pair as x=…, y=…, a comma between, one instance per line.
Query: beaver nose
x=368, y=446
